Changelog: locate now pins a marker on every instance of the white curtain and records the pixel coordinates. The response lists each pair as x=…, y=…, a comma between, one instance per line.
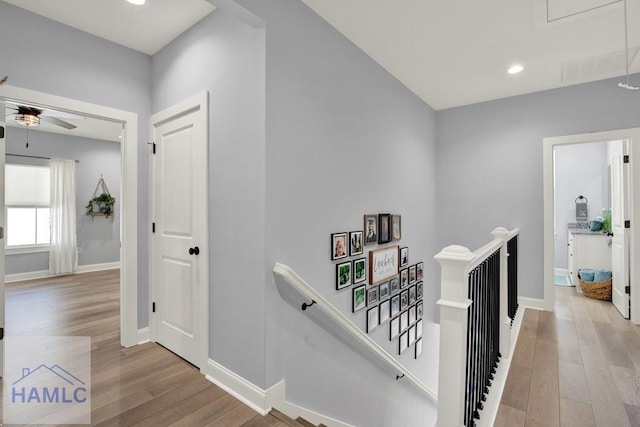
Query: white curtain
x=63, y=253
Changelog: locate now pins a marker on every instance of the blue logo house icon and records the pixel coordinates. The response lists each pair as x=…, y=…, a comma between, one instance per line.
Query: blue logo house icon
x=47, y=380
x=48, y=384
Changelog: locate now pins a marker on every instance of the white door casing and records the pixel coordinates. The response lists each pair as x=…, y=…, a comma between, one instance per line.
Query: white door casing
x=179, y=215
x=620, y=239
x=3, y=225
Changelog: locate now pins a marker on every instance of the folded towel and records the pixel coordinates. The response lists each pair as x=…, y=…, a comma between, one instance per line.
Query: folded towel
x=601, y=275
x=586, y=274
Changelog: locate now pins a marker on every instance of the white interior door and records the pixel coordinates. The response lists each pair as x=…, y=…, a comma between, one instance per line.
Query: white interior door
x=620, y=239
x=2, y=230
x=179, y=266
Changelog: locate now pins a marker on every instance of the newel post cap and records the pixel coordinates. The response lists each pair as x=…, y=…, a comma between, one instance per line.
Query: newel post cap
x=499, y=233
x=454, y=253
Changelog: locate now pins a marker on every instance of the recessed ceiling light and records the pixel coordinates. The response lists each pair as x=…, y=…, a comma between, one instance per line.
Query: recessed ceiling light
x=137, y=2
x=515, y=69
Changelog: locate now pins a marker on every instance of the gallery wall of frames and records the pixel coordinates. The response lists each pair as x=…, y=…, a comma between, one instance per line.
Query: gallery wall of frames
x=373, y=265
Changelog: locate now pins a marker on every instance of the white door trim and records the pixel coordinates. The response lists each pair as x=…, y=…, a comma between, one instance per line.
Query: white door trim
x=548, y=144
x=199, y=102
x=128, y=192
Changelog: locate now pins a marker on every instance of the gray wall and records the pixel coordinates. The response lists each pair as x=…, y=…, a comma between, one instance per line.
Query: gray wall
x=98, y=239
x=489, y=169
x=580, y=169
x=63, y=61
x=226, y=57
x=344, y=138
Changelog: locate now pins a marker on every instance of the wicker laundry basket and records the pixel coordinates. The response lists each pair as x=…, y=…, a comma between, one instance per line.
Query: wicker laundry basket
x=597, y=290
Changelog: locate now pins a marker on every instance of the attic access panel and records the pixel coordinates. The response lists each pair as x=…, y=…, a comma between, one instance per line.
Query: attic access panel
x=558, y=9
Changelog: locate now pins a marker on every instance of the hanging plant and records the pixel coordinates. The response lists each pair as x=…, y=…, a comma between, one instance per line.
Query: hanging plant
x=3, y=80
x=101, y=205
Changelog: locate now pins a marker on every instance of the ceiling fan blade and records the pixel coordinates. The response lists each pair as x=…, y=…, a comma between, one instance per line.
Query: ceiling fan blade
x=57, y=122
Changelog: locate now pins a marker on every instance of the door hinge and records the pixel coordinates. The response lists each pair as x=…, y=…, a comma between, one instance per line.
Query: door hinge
x=153, y=147
x=153, y=227
x=1, y=132
x=153, y=307
x=1, y=334
x=627, y=290
x=627, y=224
x=625, y=158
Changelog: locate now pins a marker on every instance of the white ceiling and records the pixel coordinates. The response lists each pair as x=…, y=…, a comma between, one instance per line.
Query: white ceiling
x=447, y=52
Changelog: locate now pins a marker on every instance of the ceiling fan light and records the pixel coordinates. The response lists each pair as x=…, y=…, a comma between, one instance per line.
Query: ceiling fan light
x=27, y=119
x=137, y=2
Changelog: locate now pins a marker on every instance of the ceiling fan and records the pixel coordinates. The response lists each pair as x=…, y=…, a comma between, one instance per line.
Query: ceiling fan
x=32, y=116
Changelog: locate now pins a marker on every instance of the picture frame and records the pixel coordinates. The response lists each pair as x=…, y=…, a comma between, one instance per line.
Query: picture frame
x=394, y=328
x=372, y=296
x=412, y=295
x=383, y=264
x=370, y=227
x=372, y=319
x=338, y=246
x=385, y=311
x=419, y=308
x=359, y=271
x=420, y=271
x=343, y=275
x=404, y=320
x=418, y=348
x=419, y=329
x=412, y=314
x=359, y=298
x=395, y=305
x=394, y=285
x=404, y=278
x=404, y=256
x=355, y=243
x=384, y=228
x=419, y=290
x=403, y=342
x=412, y=274
x=396, y=227
x=384, y=290
x=404, y=299
x=412, y=334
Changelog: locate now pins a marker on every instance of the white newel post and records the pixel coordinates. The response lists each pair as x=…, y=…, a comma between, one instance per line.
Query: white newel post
x=454, y=304
x=501, y=233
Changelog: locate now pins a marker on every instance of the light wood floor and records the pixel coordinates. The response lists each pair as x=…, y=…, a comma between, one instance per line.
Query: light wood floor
x=144, y=385
x=577, y=366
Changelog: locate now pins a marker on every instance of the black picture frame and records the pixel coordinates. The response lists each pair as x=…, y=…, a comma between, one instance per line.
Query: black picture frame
x=384, y=290
x=419, y=290
x=412, y=295
x=404, y=299
x=418, y=347
x=372, y=296
x=412, y=274
x=373, y=319
x=359, y=270
x=412, y=314
x=412, y=334
x=419, y=310
x=395, y=305
x=420, y=271
x=404, y=278
x=355, y=243
x=339, y=247
x=404, y=320
x=370, y=227
x=403, y=342
x=396, y=227
x=385, y=311
x=394, y=327
x=359, y=300
x=384, y=228
x=343, y=275
x=394, y=285
x=404, y=257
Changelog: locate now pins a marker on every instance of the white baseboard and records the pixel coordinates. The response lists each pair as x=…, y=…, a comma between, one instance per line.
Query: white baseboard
x=44, y=274
x=143, y=335
x=262, y=401
x=561, y=271
x=535, y=303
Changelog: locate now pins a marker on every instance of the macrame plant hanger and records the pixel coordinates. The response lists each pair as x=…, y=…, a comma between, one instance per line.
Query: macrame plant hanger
x=104, y=207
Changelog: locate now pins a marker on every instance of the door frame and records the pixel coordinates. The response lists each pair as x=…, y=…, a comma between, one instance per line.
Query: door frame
x=128, y=194
x=631, y=134
x=197, y=102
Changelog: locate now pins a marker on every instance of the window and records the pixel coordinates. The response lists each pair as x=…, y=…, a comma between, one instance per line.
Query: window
x=27, y=205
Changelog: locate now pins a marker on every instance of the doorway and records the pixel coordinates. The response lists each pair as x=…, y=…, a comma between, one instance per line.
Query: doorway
x=128, y=190
x=549, y=144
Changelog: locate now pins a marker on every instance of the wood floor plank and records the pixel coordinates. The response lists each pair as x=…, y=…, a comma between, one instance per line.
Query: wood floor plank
x=576, y=414
x=568, y=343
x=510, y=417
x=516, y=389
x=573, y=383
x=612, y=345
x=547, y=326
x=628, y=383
x=266, y=421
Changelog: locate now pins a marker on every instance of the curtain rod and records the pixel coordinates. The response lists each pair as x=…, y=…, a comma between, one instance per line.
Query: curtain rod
x=33, y=157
